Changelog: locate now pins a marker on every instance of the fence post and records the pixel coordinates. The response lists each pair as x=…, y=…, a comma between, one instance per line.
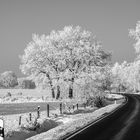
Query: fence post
x=38, y=112
x=69, y=109
x=30, y=116
x=1, y=129
x=73, y=107
x=77, y=106
x=19, y=120
x=47, y=110
x=60, y=108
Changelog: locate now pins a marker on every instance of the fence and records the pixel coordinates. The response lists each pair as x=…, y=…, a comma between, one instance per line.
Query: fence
x=51, y=112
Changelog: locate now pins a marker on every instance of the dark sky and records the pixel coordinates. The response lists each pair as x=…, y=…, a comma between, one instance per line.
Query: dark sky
x=109, y=20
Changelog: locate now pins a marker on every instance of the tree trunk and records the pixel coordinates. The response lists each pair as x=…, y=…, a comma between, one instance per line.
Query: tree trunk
x=119, y=88
x=53, y=93
x=70, y=92
x=71, y=88
x=58, y=92
x=50, y=82
x=52, y=88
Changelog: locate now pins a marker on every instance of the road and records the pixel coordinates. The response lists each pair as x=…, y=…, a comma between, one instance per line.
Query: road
x=123, y=124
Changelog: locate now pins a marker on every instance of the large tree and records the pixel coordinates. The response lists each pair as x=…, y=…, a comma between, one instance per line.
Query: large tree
x=80, y=52
x=63, y=55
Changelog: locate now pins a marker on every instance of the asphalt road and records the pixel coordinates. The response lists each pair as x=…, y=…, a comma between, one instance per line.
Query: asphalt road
x=123, y=124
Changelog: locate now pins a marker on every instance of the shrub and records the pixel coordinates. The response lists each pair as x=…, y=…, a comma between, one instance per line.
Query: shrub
x=137, y=91
x=8, y=94
x=29, y=98
x=39, y=125
x=8, y=79
x=14, y=99
x=20, y=93
x=97, y=101
x=26, y=83
x=32, y=125
x=43, y=98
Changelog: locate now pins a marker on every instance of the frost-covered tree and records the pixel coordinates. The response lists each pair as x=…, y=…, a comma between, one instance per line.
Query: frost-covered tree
x=135, y=69
x=135, y=33
x=134, y=75
x=8, y=79
x=126, y=76
x=80, y=53
x=106, y=79
x=121, y=76
x=65, y=54
x=116, y=70
x=40, y=59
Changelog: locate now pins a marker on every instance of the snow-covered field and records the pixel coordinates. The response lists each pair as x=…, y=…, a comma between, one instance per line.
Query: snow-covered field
x=25, y=92
x=32, y=95
x=24, y=95
x=28, y=95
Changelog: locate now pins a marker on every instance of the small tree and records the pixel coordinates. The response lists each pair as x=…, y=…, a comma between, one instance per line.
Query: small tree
x=38, y=59
x=8, y=79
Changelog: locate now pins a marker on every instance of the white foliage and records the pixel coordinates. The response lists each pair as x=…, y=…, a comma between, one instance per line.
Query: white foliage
x=8, y=79
x=135, y=33
x=127, y=75
x=72, y=53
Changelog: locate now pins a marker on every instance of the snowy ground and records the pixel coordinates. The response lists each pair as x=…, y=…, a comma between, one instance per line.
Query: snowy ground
x=24, y=95
x=35, y=99
x=13, y=130
x=25, y=92
x=59, y=125
x=27, y=95
x=137, y=93
x=114, y=96
x=31, y=95
x=73, y=122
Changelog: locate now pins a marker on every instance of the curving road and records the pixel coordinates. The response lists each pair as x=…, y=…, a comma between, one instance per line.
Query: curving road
x=123, y=124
